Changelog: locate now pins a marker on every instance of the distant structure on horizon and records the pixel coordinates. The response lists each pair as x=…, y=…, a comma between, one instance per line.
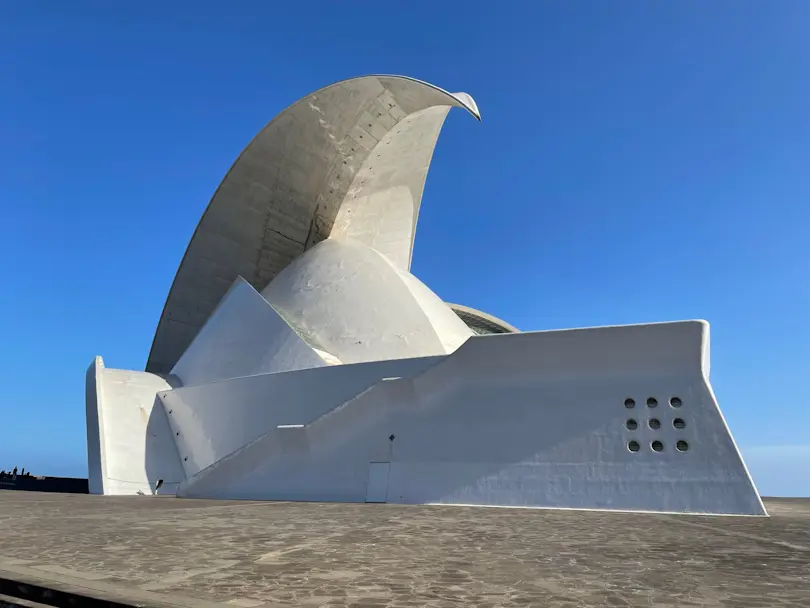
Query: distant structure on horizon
x=297, y=358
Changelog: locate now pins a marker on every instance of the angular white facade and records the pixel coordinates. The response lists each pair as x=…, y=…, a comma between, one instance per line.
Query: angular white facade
x=297, y=358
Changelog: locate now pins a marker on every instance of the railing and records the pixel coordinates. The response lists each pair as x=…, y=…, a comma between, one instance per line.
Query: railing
x=49, y=596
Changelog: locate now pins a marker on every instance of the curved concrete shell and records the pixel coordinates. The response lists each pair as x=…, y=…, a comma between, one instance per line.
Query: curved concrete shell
x=348, y=160
x=358, y=306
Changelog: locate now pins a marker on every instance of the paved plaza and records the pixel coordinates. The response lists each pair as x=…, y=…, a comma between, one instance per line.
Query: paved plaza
x=174, y=552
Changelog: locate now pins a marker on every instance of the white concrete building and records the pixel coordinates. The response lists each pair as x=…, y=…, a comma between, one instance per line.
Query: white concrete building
x=297, y=358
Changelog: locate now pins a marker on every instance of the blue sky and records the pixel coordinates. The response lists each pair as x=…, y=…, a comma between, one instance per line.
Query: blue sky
x=637, y=161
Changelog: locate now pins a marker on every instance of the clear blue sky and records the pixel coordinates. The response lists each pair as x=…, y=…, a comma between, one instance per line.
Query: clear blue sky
x=637, y=161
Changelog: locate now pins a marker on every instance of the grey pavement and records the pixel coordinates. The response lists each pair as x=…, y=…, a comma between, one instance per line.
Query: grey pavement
x=171, y=552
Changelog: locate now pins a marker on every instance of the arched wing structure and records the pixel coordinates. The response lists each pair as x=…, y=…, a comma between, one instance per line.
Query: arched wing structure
x=349, y=160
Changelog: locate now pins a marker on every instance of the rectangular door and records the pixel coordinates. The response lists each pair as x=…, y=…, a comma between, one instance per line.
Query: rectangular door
x=377, y=489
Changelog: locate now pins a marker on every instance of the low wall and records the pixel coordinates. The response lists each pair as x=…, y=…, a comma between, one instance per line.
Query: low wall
x=63, y=485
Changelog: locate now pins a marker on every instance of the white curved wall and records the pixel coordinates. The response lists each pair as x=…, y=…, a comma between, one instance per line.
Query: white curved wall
x=451, y=334
x=382, y=204
x=130, y=444
x=361, y=307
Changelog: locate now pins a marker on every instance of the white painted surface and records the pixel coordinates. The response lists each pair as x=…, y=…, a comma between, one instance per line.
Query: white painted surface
x=533, y=419
x=450, y=332
x=319, y=212
x=360, y=307
x=377, y=488
x=244, y=336
x=382, y=204
x=94, y=419
x=213, y=420
x=364, y=144
x=137, y=448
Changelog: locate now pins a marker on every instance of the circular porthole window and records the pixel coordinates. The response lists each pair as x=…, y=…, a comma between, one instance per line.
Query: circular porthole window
x=654, y=423
x=633, y=446
x=657, y=446
x=675, y=402
x=629, y=403
x=681, y=446
x=679, y=423
x=631, y=425
x=652, y=402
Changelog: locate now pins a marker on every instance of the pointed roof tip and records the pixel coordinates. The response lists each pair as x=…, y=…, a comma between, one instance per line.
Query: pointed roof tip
x=465, y=100
x=468, y=102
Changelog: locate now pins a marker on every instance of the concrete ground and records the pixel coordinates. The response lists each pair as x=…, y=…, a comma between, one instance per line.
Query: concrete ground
x=174, y=552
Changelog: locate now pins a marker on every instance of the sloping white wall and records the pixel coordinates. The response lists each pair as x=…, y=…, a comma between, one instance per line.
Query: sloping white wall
x=130, y=444
x=243, y=336
x=534, y=419
x=212, y=420
x=360, y=308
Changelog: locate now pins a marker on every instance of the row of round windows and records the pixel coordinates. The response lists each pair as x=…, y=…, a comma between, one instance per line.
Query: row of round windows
x=657, y=446
x=630, y=403
x=654, y=424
